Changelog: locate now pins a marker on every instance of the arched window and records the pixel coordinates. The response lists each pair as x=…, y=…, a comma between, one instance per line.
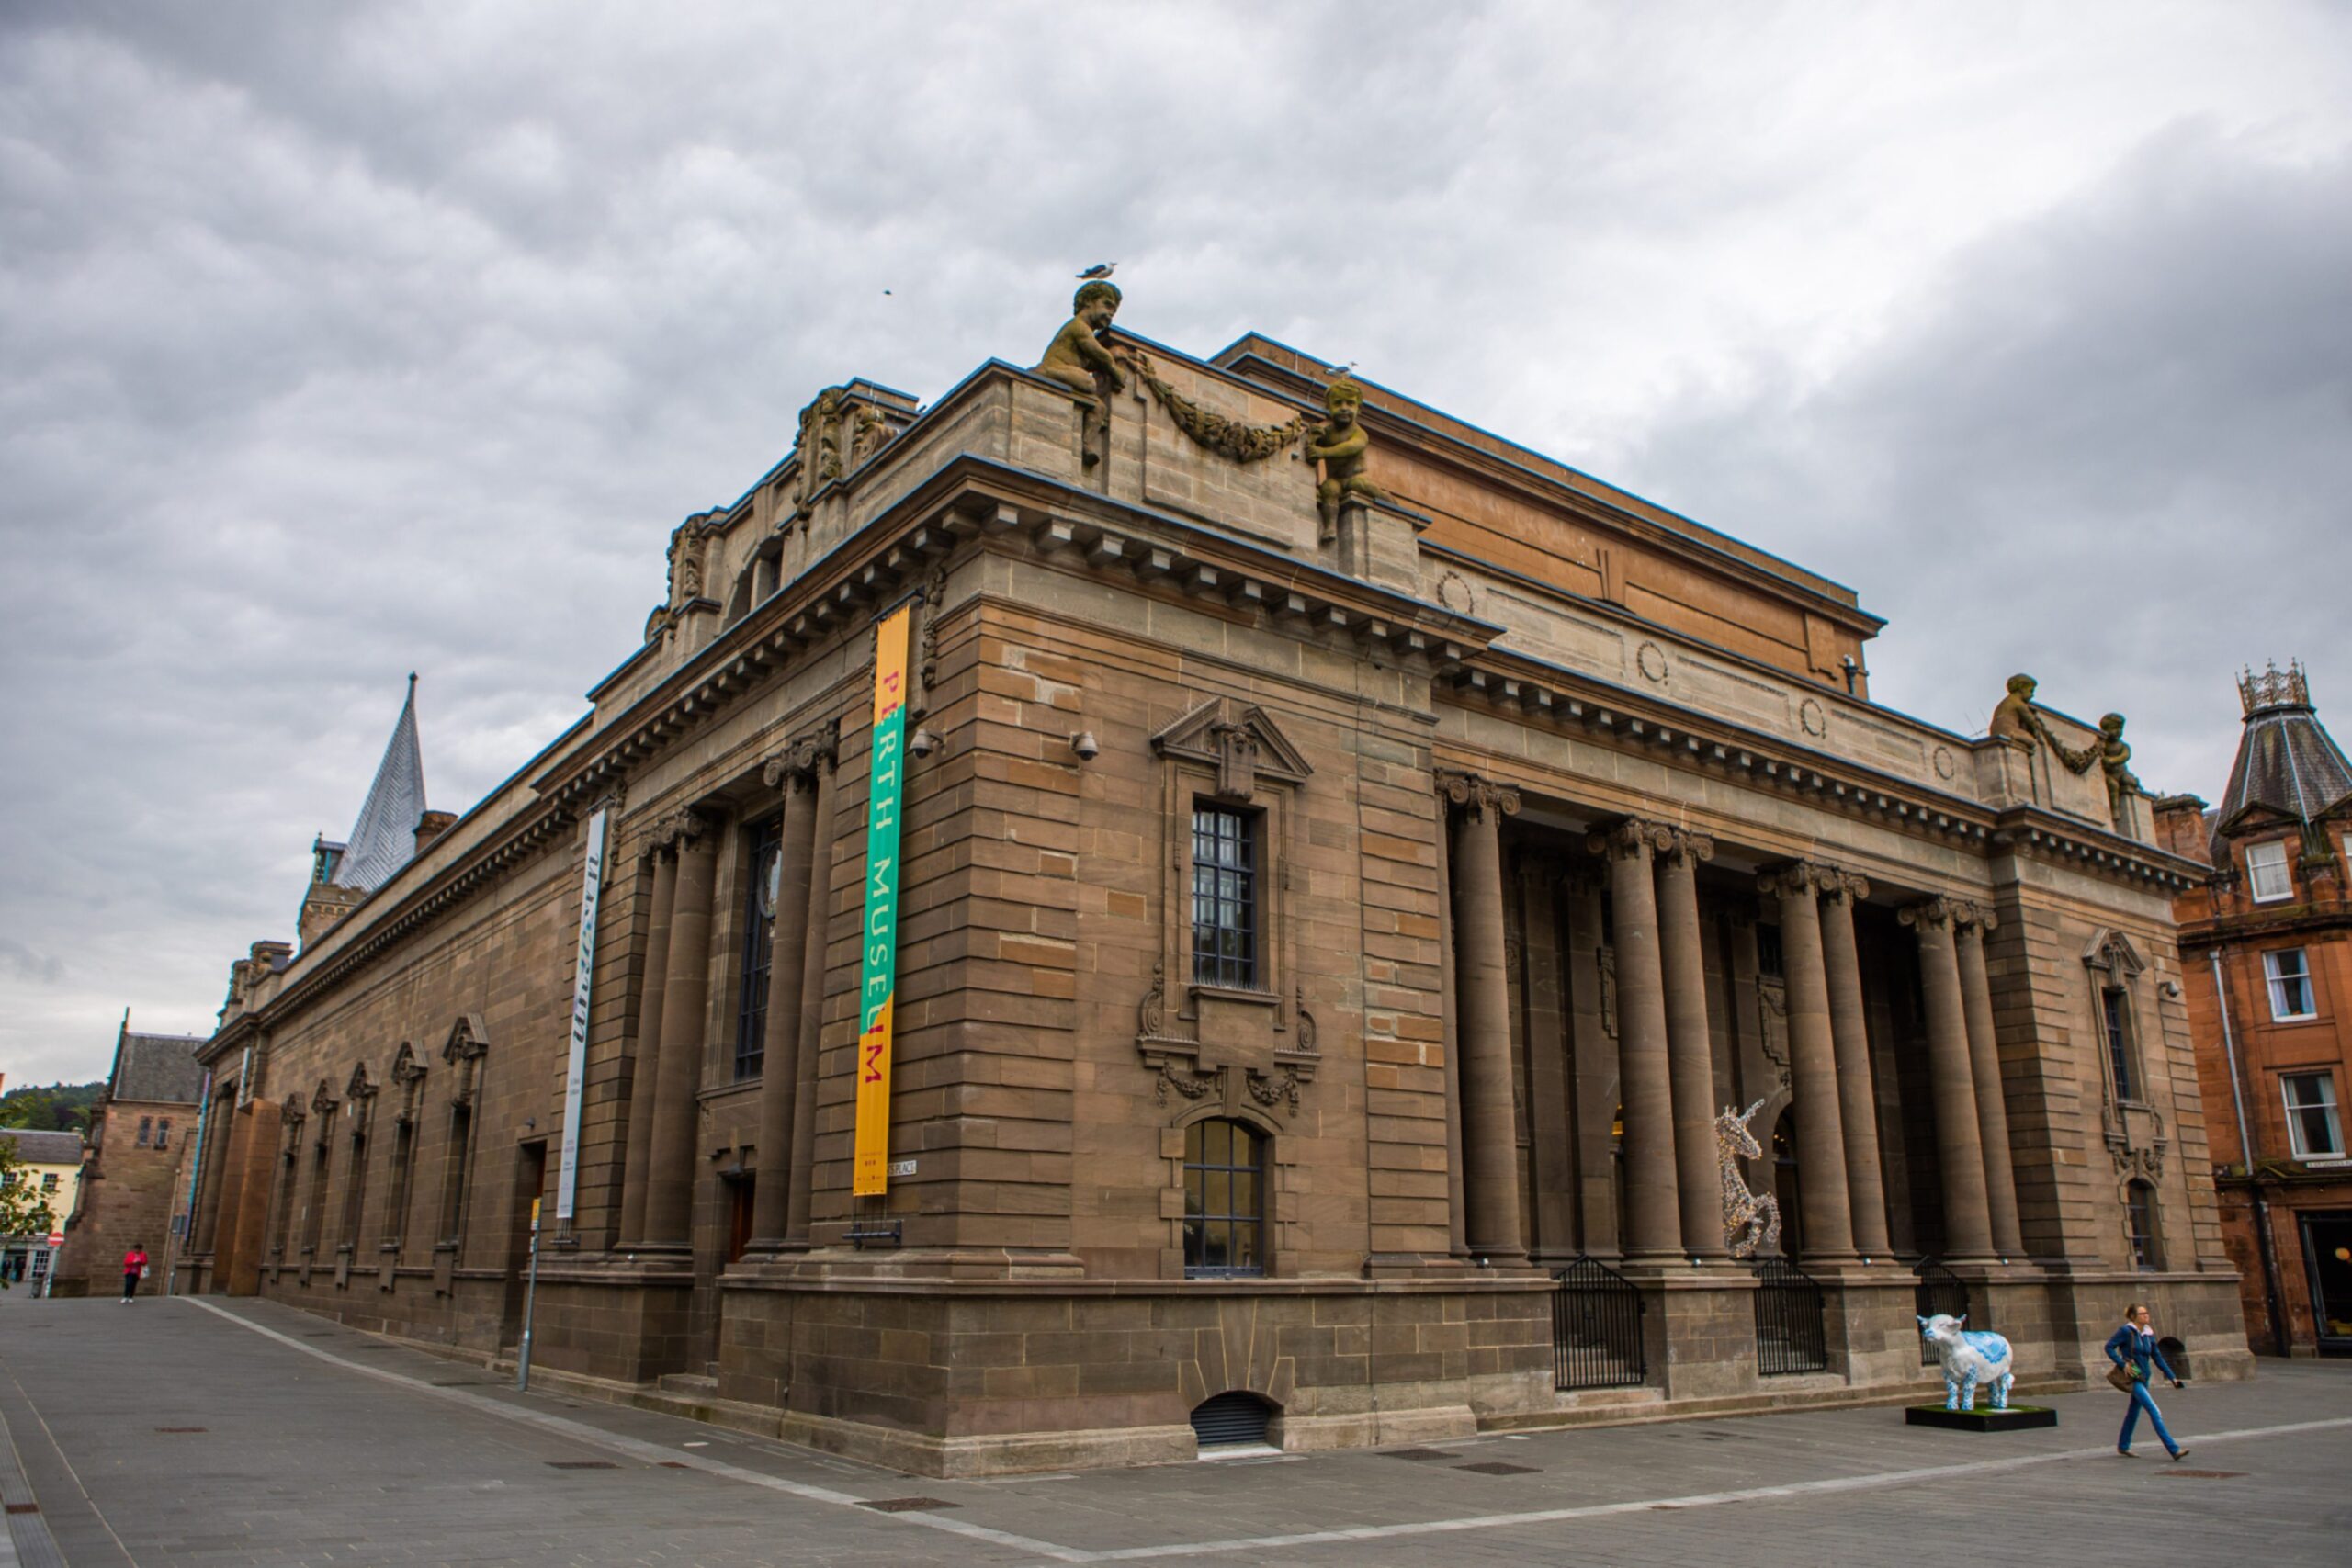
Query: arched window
x=1787, y=1183
x=1225, y=1199
x=2140, y=1223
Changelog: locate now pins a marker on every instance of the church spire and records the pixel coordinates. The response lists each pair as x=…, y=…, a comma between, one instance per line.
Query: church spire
x=384, y=839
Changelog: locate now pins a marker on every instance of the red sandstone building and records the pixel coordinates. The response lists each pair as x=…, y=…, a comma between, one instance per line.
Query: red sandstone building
x=131, y=1180
x=2267, y=956
x=1346, y=866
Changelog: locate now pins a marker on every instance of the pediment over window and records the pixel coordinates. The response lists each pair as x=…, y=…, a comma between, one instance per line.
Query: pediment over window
x=358, y=1087
x=2111, y=951
x=467, y=1039
x=1239, y=743
x=406, y=1068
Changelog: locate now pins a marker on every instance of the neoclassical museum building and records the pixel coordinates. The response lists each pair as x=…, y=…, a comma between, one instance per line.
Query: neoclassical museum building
x=1153, y=901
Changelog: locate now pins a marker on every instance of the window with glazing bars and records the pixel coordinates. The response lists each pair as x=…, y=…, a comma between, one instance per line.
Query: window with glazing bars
x=759, y=946
x=1225, y=1167
x=2140, y=1220
x=2119, y=1040
x=1224, y=897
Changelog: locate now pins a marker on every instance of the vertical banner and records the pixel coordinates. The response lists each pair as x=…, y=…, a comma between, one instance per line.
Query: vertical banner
x=870, y=1170
x=583, y=977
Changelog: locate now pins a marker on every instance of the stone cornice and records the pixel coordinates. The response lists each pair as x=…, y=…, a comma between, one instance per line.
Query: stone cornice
x=1627, y=721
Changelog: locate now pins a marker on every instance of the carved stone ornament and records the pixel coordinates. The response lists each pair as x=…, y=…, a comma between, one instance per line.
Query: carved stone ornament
x=406, y=1068
x=2112, y=951
x=1967, y=914
x=1651, y=661
x=467, y=1042
x=795, y=765
x=1928, y=913
x=681, y=828
x=1478, y=795
x=1607, y=963
x=1176, y=1055
x=322, y=1100
x=1629, y=838
x=1849, y=885
x=292, y=1113
x=359, y=1089
x=1813, y=717
x=1239, y=745
x=1796, y=876
x=1235, y=440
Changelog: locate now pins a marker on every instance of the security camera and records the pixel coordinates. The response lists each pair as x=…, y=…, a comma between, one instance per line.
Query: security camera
x=922, y=742
x=1086, y=746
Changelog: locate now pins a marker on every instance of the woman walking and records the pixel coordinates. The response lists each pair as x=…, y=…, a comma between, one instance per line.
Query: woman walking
x=2132, y=1348
x=134, y=1268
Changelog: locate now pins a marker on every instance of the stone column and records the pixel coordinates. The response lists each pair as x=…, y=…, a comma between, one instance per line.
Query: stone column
x=1691, y=1052
x=1970, y=922
x=1653, y=1207
x=812, y=1001
x=1813, y=1063
x=1489, y=1117
x=1959, y=1151
x=1857, y=1092
x=1551, y=1141
x=637, y=1153
x=1593, y=1070
x=780, y=1058
x=669, y=1175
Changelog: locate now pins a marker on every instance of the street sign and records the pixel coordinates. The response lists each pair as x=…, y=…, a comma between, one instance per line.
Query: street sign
x=57, y=1238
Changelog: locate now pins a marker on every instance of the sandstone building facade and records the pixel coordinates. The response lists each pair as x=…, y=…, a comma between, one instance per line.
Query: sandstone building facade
x=2265, y=940
x=145, y=1116
x=1348, y=864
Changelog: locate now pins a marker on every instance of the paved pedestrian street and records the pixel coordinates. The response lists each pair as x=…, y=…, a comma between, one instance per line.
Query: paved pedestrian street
x=214, y=1432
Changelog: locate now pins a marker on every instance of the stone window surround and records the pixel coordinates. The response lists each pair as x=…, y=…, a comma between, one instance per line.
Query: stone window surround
x=2276, y=978
x=2116, y=966
x=2255, y=869
x=2331, y=1102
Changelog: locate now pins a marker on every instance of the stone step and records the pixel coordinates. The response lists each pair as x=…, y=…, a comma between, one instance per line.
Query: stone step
x=690, y=1383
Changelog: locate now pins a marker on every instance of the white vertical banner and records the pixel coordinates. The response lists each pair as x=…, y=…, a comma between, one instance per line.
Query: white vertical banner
x=592, y=883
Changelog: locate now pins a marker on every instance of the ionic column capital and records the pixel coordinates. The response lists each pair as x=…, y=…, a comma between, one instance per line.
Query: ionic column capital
x=1686, y=846
x=1845, y=887
x=794, y=766
x=1928, y=914
x=1478, y=795
x=1796, y=878
x=1971, y=918
x=1632, y=838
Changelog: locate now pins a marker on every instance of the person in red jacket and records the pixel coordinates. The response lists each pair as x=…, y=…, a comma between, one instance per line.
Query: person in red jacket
x=134, y=1268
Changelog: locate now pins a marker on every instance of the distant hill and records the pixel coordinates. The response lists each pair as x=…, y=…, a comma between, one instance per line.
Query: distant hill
x=58, y=1108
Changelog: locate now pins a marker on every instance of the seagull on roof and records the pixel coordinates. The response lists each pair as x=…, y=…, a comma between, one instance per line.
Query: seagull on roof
x=1100, y=269
x=1339, y=369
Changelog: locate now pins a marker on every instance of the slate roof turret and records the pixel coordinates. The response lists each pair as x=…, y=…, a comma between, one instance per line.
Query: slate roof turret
x=2288, y=765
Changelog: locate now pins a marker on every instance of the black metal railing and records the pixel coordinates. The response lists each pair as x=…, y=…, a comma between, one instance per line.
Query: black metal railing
x=1596, y=1328
x=1788, y=1321
x=1939, y=1291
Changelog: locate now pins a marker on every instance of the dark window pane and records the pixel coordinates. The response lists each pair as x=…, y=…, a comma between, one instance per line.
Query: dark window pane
x=761, y=892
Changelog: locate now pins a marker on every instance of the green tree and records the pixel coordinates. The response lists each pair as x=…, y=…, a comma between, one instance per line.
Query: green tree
x=23, y=1210
x=53, y=1108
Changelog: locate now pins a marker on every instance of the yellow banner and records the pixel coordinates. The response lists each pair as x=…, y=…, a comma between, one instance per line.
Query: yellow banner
x=877, y=989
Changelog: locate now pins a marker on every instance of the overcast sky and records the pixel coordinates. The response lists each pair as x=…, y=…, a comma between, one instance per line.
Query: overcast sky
x=338, y=341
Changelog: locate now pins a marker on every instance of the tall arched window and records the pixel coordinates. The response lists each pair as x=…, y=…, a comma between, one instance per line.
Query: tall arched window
x=2140, y=1223
x=1225, y=1201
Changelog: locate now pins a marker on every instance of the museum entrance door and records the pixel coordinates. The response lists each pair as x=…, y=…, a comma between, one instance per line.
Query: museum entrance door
x=2327, y=1259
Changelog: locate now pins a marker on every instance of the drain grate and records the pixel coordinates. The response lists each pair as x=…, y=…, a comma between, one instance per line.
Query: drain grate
x=1421, y=1453
x=2202, y=1474
x=183, y=1428
x=907, y=1505
x=24, y=1507
x=1497, y=1467
x=581, y=1464
x=675, y=1464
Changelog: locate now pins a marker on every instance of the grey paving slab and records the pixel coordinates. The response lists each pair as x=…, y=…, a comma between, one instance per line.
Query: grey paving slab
x=322, y=1445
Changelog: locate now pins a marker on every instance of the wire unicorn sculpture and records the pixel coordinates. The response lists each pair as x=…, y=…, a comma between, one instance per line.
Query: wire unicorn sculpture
x=1756, y=1214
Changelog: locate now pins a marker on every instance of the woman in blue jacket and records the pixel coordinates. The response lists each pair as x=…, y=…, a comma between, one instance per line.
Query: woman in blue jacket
x=2132, y=1347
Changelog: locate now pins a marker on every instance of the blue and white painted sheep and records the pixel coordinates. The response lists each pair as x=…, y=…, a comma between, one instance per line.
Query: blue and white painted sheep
x=1970, y=1358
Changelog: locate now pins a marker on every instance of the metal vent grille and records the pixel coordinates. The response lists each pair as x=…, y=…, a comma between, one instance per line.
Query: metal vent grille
x=1230, y=1418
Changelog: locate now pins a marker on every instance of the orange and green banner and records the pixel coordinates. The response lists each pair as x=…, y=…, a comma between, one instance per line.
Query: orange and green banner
x=877, y=987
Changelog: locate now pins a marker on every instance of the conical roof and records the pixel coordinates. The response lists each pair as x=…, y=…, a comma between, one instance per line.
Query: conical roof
x=384, y=839
x=2288, y=764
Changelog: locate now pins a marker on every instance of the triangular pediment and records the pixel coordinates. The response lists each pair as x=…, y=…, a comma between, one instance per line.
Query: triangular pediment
x=2112, y=950
x=1197, y=736
x=467, y=1039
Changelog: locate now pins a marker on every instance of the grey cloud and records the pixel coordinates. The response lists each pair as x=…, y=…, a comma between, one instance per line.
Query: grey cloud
x=339, y=342
x=2112, y=446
